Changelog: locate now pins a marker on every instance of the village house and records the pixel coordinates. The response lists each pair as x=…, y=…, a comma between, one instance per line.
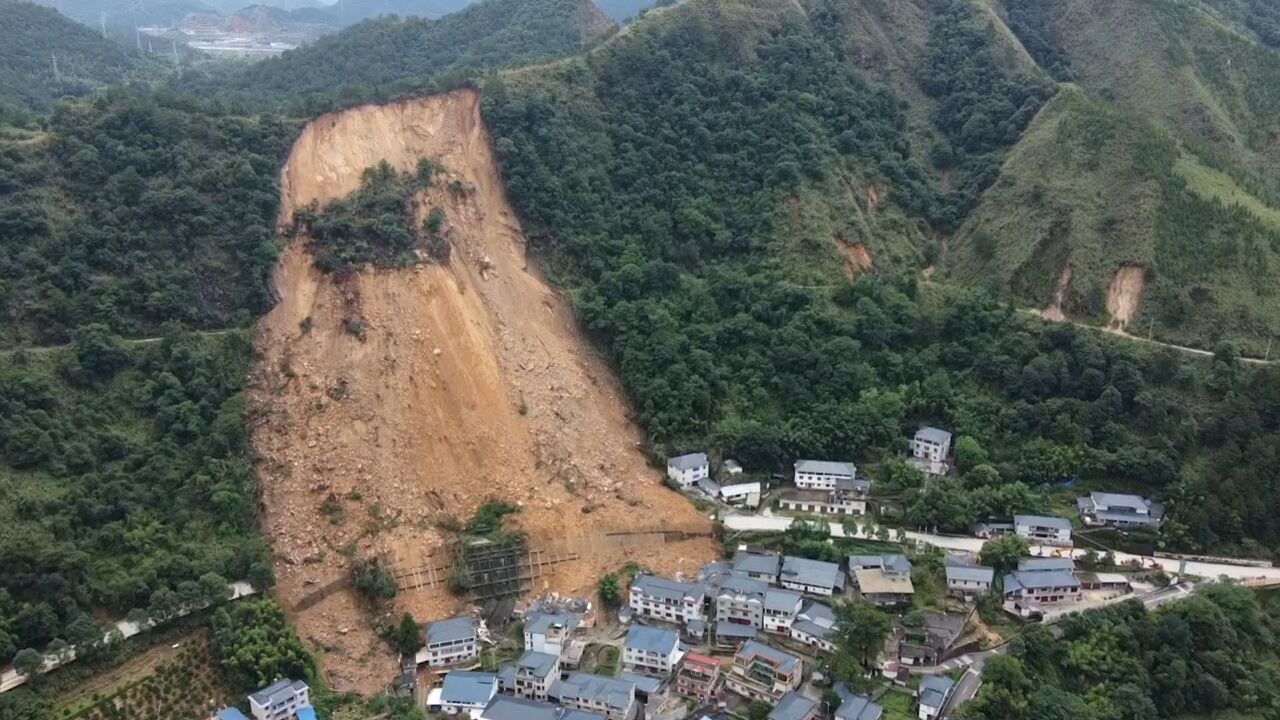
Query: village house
x=822, y=474
x=655, y=597
x=929, y=450
x=794, y=706
x=884, y=580
x=551, y=633
x=614, y=699
x=1043, y=529
x=968, y=581
x=1119, y=510
x=848, y=497
x=932, y=695
x=757, y=565
x=858, y=707
x=741, y=494
x=651, y=651
x=280, y=700
x=1043, y=581
x=467, y=693
x=740, y=600
x=992, y=529
x=811, y=576
x=731, y=635
x=764, y=673
x=1114, y=582
x=686, y=470
x=731, y=469
x=534, y=673
x=815, y=626
x=449, y=642
x=697, y=677
x=780, y=610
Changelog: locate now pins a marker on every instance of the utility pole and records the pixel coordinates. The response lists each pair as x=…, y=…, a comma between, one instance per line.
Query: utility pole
x=1267, y=355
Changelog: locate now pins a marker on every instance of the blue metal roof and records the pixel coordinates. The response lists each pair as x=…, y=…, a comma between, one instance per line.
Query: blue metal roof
x=651, y=639
x=792, y=706
x=469, y=688
x=231, y=714
x=459, y=628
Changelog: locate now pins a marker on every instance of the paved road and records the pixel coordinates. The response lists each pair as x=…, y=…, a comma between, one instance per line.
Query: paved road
x=10, y=679
x=779, y=523
x=965, y=691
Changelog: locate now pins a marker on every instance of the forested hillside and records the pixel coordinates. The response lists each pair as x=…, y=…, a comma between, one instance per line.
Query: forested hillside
x=32, y=36
x=1167, y=167
x=1214, y=655
x=378, y=59
x=719, y=292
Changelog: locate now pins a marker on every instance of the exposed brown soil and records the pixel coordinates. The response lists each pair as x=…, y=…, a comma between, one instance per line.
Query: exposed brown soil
x=471, y=383
x=1054, y=310
x=1124, y=294
x=873, y=200
x=592, y=21
x=856, y=258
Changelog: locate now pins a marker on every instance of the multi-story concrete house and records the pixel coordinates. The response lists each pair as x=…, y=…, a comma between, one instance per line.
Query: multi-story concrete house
x=534, y=673
x=687, y=470
x=764, y=673
x=1043, y=529
x=849, y=497
x=549, y=632
x=822, y=474
x=697, y=677
x=740, y=600
x=651, y=651
x=1119, y=510
x=932, y=695
x=505, y=707
x=450, y=642
x=280, y=700
x=882, y=579
x=780, y=610
x=614, y=699
x=930, y=448
x=665, y=599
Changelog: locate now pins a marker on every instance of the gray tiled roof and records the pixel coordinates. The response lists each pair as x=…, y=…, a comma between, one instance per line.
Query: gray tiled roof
x=859, y=707
x=652, y=639
x=933, y=434
x=735, y=584
x=687, y=462
x=643, y=683
x=813, y=629
x=540, y=623
x=580, y=715
x=667, y=589
x=970, y=573
x=538, y=664
x=616, y=694
x=1037, y=580
x=469, y=688
x=1042, y=521
x=825, y=466
x=504, y=707
x=934, y=689
x=759, y=563
x=792, y=706
x=277, y=691
x=734, y=630
x=811, y=572
x=784, y=662
x=861, y=485
x=818, y=613
x=459, y=628
x=1044, y=564
x=781, y=600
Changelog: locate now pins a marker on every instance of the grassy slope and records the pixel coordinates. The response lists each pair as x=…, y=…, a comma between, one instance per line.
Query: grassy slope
x=1144, y=69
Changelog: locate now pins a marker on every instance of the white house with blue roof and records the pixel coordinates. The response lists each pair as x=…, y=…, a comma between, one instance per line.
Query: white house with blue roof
x=932, y=695
x=614, y=699
x=815, y=626
x=280, y=700
x=687, y=470
x=823, y=474
x=534, y=673
x=505, y=707
x=663, y=599
x=1120, y=510
x=449, y=642
x=794, y=706
x=968, y=581
x=651, y=651
x=467, y=693
x=815, y=577
x=780, y=610
x=930, y=448
x=1043, y=529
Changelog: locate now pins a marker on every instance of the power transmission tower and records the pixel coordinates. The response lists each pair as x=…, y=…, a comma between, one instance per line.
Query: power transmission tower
x=102, y=20
x=57, y=76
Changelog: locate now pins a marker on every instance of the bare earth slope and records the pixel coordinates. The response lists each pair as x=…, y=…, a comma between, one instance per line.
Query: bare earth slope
x=471, y=383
